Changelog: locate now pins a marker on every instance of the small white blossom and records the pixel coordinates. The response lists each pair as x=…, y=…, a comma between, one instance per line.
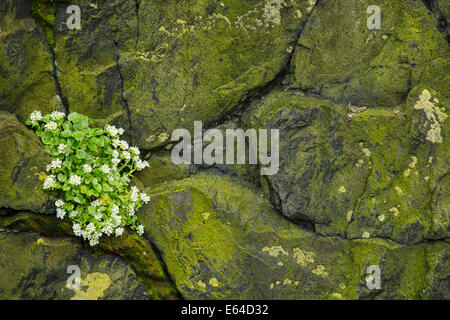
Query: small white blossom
x=75, y=180
x=87, y=168
x=119, y=232
x=140, y=230
x=126, y=155
x=59, y=203
x=120, y=131
x=145, y=197
x=77, y=229
x=115, y=210
x=96, y=203
x=49, y=182
x=98, y=215
x=123, y=145
x=115, y=154
x=52, y=126
x=115, y=161
x=141, y=165
x=56, y=115
x=62, y=148
x=115, y=143
x=60, y=213
x=35, y=116
x=112, y=130
x=105, y=168
x=135, y=151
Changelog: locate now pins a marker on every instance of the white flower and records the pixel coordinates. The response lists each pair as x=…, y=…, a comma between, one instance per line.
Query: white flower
x=141, y=165
x=115, y=154
x=115, y=210
x=115, y=161
x=117, y=220
x=93, y=241
x=59, y=203
x=98, y=215
x=123, y=145
x=90, y=228
x=96, y=203
x=134, y=197
x=145, y=197
x=77, y=229
x=115, y=143
x=75, y=180
x=105, y=168
x=108, y=228
x=52, y=126
x=60, y=213
x=87, y=168
x=120, y=131
x=35, y=116
x=49, y=182
x=56, y=115
x=119, y=232
x=140, y=230
x=55, y=164
x=126, y=155
x=112, y=130
x=73, y=214
x=131, y=209
x=135, y=151
x=62, y=148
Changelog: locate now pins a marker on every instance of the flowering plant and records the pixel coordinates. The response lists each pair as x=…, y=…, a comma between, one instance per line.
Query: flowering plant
x=93, y=167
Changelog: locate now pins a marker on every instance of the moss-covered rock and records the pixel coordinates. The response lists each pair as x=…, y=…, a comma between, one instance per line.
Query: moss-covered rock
x=26, y=72
x=35, y=267
x=159, y=65
x=22, y=168
x=340, y=58
x=134, y=250
x=369, y=175
x=222, y=240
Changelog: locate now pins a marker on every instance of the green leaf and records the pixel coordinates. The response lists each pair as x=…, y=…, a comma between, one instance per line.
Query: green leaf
x=66, y=133
x=107, y=187
x=62, y=177
x=66, y=126
x=81, y=154
x=73, y=117
x=98, y=187
x=78, y=135
x=97, y=131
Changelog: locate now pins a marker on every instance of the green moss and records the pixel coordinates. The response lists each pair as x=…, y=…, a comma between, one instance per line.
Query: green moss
x=44, y=11
x=135, y=250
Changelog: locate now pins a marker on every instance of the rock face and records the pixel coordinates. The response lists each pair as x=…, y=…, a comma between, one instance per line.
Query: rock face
x=340, y=58
x=35, y=267
x=227, y=242
x=26, y=73
x=22, y=168
x=160, y=65
x=379, y=174
x=363, y=182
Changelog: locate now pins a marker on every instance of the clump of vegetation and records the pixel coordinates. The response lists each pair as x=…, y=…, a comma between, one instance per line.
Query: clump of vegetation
x=44, y=11
x=93, y=167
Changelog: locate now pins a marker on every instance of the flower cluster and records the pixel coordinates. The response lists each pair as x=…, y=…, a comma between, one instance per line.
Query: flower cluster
x=93, y=167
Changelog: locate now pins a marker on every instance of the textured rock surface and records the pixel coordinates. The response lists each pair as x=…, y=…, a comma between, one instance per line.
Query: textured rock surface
x=22, y=167
x=339, y=58
x=355, y=188
x=227, y=241
x=34, y=267
x=26, y=73
x=373, y=175
x=162, y=64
